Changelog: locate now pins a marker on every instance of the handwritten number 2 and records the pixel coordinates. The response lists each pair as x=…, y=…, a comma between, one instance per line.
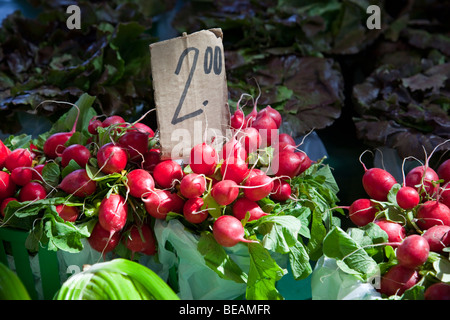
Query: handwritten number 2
x=176, y=118
x=212, y=62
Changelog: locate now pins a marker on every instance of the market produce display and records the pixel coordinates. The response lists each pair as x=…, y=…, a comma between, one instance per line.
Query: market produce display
x=402, y=235
x=231, y=221
x=101, y=179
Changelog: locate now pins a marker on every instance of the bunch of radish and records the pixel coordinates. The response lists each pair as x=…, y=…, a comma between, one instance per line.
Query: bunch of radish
x=117, y=179
x=415, y=214
x=113, y=154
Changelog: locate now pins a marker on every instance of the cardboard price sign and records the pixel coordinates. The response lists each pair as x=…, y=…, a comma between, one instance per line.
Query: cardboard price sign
x=190, y=88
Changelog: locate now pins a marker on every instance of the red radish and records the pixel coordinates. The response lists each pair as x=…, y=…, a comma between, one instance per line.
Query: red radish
x=135, y=143
x=102, y=240
x=413, y=251
x=438, y=238
x=286, y=163
x=258, y=187
x=140, y=238
x=151, y=158
x=192, y=210
x=443, y=171
x=203, y=159
x=77, y=152
x=20, y=157
x=4, y=203
x=254, y=172
x=444, y=195
x=424, y=180
x=286, y=138
x=306, y=162
x=284, y=142
x=237, y=120
x=233, y=148
x=228, y=231
x=225, y=192
x=21, y=175
x=250, y=138
x=377, y=183
x=113, y=213
x=68, y=213
x=139, y=182
x=281, y=190
x=274, y=114
x=235, y=169
x=150, y=241
x=4, y=152
x=113, y=120
x=395, y=231
x=193, y=185
x=37, y=172
x=283, y=146
x=78, y=184
x=55, y=144
x=267, y=128
x=167, y=173
x=438, y=291
x=34, y=150
x=397, y=280
x=432, y=213
x=159, y=203
x=144, y=128
x=32, y=191
x=94, y=123
x=407, y=198
x=244, y=205
x=362, y=212
x=249, y=118
x=7, y=185
x=111, y=158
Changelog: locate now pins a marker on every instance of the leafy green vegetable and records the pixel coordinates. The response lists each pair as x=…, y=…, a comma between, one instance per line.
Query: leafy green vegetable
x=11, y=287
x=218, y=260
x=263, y=274
x=118, y=279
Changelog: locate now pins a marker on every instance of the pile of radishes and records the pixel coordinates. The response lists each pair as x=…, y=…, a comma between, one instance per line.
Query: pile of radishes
x=117, y=179
x=415, y=214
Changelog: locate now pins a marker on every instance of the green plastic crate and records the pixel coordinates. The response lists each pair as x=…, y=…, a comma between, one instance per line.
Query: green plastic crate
x=12, y=242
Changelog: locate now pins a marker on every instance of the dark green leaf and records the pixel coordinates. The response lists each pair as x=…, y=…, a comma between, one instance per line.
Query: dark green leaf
x=218, y=260
x=263, y=274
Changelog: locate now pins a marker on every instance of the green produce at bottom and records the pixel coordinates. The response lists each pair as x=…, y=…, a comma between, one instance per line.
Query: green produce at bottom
x=118, y=279
x=11, y=287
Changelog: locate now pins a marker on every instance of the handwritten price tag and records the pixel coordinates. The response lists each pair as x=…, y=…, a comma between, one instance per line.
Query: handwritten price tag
x=191, y=94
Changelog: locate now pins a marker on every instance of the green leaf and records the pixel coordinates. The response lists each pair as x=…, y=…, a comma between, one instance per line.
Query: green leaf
x=279, y=232
x=263, y=274
x=442, y=268
x=214, y=209
x=18, y=141
x=318, y=233
x=51, y=174
x=118, y=279
x=66, y=122
x=349, y=255
x=64, y=235
x=299, y=261
x=218, y=260
x=71, y=166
